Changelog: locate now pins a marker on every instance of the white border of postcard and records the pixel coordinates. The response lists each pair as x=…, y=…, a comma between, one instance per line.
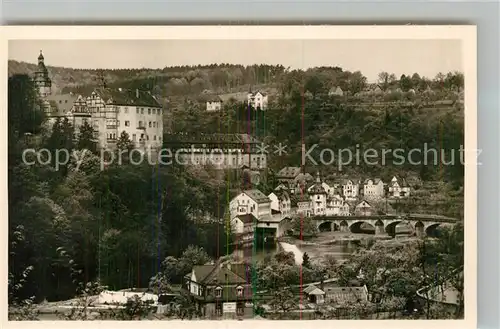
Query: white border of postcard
x=467, y=34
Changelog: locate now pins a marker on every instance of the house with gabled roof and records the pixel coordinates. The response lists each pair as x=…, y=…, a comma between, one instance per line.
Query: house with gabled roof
x=258, y=100
x=314, y=294
x=364, y=209
x=398, y=188
x=251, y=202
x=221, y=291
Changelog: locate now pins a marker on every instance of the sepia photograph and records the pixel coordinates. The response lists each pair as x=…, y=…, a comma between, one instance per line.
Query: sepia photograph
x=241, y=173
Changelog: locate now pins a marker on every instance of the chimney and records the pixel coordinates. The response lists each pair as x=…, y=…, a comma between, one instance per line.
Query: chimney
x=137, y=93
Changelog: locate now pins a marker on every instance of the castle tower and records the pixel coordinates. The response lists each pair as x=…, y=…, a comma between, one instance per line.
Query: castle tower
x=42, y=80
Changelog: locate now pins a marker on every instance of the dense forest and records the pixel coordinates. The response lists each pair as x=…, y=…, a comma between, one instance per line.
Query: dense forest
x=229, y=78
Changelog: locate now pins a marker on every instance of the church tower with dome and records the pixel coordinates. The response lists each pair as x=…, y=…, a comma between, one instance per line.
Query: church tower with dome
x=41, y=78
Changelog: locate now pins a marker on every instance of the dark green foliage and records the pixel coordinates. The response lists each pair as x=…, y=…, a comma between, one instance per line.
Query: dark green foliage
x=86, y=138
x=306, y=262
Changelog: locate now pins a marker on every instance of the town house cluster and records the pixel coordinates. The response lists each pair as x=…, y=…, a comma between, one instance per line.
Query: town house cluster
x=299, y=193
x=110, y=111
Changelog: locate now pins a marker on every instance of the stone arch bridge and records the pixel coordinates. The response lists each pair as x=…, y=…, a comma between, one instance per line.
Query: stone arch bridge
x=421, y=224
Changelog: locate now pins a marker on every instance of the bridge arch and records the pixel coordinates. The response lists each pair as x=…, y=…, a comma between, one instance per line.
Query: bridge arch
x=419, y=229
x=326, y=226
x=356, y=227
x=431, y=229
x=391, y=227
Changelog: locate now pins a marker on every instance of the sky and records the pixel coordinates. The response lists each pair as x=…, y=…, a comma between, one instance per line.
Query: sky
x=426, y=57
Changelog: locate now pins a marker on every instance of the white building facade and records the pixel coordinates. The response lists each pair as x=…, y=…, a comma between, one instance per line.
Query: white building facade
x=109, y=111
x=257, y=100
x=350, y=189
x=252, y=202
x=373, y=188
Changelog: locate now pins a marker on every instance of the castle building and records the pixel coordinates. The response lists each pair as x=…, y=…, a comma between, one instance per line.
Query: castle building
x=110, y=111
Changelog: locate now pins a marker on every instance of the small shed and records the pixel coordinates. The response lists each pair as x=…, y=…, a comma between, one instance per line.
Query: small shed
x=314, y=294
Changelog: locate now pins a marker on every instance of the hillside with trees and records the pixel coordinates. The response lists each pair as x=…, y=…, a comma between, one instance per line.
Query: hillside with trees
x=82, y=224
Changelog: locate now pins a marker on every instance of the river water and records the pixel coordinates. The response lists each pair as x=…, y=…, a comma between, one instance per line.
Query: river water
x=316, y=248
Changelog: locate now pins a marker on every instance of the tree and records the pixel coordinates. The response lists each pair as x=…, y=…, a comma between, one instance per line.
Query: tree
x=356, y=82
x=304, y=227
x=186, y=307
x=25, y=110
x=306, y=261
x=454, y=81
x=385, y=80
x=438, y=81
x=283, y=301
x=86, y=138
x=415, y=80
x=124, y=143
x=405, y=83
x=314, y=85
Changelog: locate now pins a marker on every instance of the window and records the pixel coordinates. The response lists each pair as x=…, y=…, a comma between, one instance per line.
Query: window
x=66, y=101
x=149, y=124
x=147, y=137
x=218, y=292
x=154, y=137
x=154, y=124
x=137, y=111
x=133, y=137
x=127, y=123
x=149, y=111
x=239, y=291
x=142, y=111
x=118, y=123
x=140, y=123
